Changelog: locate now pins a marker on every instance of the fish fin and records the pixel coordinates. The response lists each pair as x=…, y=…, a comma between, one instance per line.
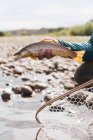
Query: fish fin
x=50, y=40
x=78, y=58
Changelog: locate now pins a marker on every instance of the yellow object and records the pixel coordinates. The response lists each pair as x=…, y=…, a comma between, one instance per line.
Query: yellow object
x=79, y=56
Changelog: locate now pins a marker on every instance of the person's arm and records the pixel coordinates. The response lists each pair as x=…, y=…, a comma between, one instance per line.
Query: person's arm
x=77, y=46
x=88, y=47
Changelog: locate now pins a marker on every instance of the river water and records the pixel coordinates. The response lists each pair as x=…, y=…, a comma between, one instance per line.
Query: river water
x=17, y=117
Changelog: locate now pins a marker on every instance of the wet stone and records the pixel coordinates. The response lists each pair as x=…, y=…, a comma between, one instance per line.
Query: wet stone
x=37, y=85
x=7, y=84
x=26, y=91
x=25, y=79
x=69, y=85
x=16, y=90
x=5, y=96
x=3, y=61
x=10, y=65
x=18, y=70
x=48, y=98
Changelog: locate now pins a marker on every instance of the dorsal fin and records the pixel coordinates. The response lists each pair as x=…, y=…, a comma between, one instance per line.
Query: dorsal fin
x=49, y=40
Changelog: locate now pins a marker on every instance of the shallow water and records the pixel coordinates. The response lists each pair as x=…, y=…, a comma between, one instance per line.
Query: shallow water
x=17, y=117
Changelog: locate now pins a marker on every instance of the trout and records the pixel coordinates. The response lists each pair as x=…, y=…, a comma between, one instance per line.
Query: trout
x=33, y=50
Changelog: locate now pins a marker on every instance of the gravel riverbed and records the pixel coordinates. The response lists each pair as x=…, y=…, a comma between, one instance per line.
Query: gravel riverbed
x=25, y=84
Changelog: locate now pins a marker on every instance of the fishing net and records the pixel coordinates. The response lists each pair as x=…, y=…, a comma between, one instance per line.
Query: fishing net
x=69, y=116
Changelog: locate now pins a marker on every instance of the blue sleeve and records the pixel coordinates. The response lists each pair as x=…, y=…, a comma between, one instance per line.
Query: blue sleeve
x=77, y=46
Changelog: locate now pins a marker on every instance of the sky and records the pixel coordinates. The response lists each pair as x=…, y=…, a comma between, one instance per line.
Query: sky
x=35, y=14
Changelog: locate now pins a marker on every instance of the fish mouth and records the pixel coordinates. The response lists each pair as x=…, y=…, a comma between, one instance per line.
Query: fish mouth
x=20, y=55
x=17, y=57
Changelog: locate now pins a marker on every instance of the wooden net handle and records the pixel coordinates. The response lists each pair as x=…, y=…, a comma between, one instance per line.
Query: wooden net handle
x=88, y=83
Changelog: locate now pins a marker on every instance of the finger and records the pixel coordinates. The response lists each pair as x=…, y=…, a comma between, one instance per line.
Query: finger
x=42, y=54
x=49, y=54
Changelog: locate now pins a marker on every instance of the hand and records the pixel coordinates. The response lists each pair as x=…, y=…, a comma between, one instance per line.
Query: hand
x=46, y=53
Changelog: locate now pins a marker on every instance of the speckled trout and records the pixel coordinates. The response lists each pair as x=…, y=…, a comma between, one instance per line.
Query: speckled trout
x=34, y=49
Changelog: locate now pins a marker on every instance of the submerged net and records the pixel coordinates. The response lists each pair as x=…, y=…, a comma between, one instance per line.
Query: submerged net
x=70, y=118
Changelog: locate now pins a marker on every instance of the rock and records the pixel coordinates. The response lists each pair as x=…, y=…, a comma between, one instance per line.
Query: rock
x=71, y=75
x=5, y=96
x=26, y=91
x=10, y=65
x=7, y=84
x=25, y=79
x=72, y=68
x=3, y=61
x=16, y=90
x=18, y=70
x=47, y=98
x=69, y=85
x=55, y=65
x=47, y=70
x=37, y=85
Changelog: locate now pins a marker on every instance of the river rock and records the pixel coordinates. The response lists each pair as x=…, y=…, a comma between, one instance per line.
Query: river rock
x=69, y=85
x=18, y=70
x=5, y=96
x=25, y=78
x=3, y=60
x=10, y=65
x=47, y=98
x=16, y=90
x=37, y=85
x=26, y=91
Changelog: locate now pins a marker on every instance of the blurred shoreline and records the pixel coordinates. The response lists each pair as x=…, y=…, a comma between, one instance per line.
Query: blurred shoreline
x=78, y=30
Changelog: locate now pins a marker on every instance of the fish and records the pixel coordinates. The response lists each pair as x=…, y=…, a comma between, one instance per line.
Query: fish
x=34, y=49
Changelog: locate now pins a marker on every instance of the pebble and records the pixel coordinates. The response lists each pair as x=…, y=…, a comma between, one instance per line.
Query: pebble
x=26, y=91
x=37, y=85
x=48, y=98
x=25, y=79
x=16, y=90
x=18, y=70
x=3, y=61
x=69, y=85
x=5, y=96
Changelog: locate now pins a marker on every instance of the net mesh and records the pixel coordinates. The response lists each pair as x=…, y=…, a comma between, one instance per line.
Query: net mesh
x=70, y=118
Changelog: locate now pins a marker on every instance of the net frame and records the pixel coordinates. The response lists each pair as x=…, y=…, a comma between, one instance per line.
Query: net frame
x=46, y=128
x=61, y=97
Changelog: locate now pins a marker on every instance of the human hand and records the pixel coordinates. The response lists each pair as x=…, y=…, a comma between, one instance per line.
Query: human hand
x=46, y=53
